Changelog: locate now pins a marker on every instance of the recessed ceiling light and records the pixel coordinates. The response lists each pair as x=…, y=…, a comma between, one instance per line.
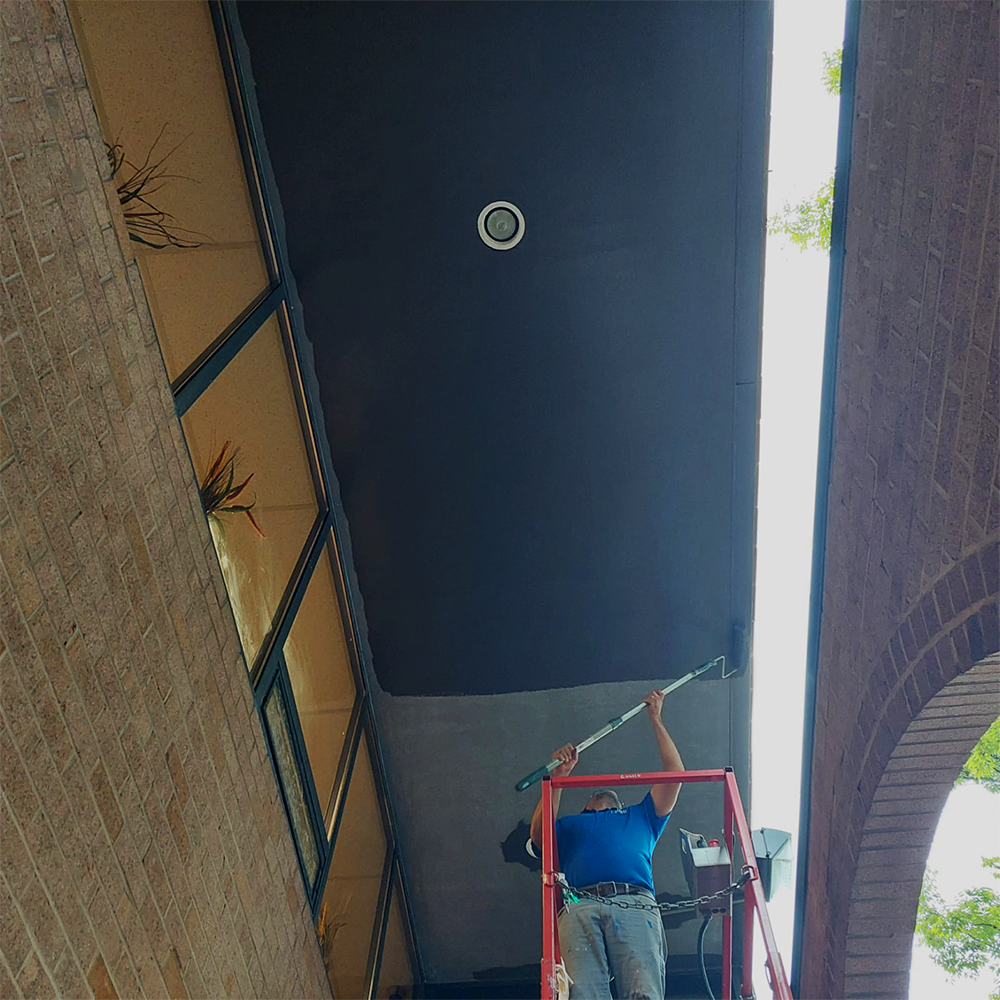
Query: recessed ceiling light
x=501, y=225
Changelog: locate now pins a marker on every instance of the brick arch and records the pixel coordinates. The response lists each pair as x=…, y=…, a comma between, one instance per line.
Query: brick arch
x=952, y=625
x=934, y=690
x=899, y=828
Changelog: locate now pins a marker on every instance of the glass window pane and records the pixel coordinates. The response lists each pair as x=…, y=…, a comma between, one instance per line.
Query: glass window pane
x=195, y=294
x=251, y=407
x=395, y=976
x=154, y=68
x=277, y=724
x=319, y=667
x=347, y=914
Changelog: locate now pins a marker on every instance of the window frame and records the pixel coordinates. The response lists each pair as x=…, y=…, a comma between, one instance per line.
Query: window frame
x=281, y=688
x=268, y=674
x=396, y=886
x=366, y=731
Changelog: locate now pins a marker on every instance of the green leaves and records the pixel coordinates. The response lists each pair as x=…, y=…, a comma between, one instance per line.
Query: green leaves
x=809, y=223
x=964, y=937
x=983, y=765
x=831, y=70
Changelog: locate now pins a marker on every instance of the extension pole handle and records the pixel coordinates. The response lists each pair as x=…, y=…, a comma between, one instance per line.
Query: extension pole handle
x=609, y=727
x=529, y=780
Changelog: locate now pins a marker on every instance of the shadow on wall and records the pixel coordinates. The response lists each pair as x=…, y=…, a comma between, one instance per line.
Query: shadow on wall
x=515, y=850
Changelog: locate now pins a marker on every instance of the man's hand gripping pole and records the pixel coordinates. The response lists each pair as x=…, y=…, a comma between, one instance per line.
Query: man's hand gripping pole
x=613, y=724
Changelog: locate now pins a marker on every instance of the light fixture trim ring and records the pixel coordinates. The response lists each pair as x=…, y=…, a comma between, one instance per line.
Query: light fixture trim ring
x=489, y=240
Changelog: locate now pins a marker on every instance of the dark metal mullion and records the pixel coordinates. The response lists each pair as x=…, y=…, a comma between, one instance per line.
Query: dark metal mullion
x=303, y=408
x=352, y=617
x=273, y=757
x=306, y=780
x=338, y=795
x=408, y=928
x=381, y=920
x=378, y=773
x=390, y=816
x=207, y=368
x=241, y=87
x=244, y=132
x=359, y=728
x=382, y=924
x=346, y=608
x=410, y=937
x=265, y=665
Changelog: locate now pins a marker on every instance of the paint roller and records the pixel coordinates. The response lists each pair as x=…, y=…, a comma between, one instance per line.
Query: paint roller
x=739, y=652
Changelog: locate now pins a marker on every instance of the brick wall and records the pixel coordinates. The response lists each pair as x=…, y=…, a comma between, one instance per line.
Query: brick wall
x=912, y=564
x=145, y=851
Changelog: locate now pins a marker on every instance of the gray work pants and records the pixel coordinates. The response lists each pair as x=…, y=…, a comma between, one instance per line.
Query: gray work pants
x=601, y=942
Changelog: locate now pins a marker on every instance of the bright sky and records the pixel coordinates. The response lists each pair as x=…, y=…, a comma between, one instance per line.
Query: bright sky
x=804, y=121
x=803, y=151
x=969, y=830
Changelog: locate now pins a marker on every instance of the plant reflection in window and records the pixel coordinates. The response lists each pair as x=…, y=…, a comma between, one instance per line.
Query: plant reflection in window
x=218, y=492
x=143, y=220
x=329, y=923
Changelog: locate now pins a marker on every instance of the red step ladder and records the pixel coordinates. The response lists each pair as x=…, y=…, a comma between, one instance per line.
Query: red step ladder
x=754, y=902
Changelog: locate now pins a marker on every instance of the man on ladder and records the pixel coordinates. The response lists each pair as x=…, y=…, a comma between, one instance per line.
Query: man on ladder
x=607, y=850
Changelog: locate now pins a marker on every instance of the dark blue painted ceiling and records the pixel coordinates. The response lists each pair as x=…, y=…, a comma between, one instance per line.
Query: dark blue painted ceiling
x=546, y=455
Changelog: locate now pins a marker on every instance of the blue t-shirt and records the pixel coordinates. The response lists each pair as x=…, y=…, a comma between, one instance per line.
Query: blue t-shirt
x=612, y=845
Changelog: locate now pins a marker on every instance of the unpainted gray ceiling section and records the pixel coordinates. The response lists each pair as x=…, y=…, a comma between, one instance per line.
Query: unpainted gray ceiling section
x=452, y=764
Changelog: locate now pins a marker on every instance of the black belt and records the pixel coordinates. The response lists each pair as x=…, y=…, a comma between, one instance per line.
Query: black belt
x=617, y=889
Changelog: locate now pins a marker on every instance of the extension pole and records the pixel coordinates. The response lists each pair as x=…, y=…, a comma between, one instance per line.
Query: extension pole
x=610, y=727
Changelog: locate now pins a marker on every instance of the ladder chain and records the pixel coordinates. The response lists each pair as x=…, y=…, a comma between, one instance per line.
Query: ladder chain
x=575, y=895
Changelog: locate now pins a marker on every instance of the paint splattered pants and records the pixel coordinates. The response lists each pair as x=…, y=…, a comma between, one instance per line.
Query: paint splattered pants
x=601, y=942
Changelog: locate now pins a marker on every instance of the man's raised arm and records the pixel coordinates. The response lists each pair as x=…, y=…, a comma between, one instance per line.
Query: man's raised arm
x=569, y=758
x=664, y=796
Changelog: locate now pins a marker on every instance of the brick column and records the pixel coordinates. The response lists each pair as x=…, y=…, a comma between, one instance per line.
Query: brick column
x=911, y=586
